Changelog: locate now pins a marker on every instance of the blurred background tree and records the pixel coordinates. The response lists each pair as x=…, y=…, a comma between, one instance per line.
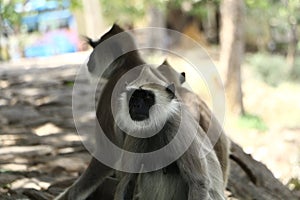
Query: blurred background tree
x=8, y=17
x=232, y=51
x=269, y=27
x=275, y=33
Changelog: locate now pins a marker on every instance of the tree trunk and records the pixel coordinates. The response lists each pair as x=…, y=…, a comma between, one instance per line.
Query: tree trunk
x=232, y=50
x=210, y=23
x=156, y=18
x=292, y=48
x=92, y=19
x=250, y=179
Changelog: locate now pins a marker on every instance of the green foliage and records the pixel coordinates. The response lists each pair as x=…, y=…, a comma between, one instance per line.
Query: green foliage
x=249, y=121
x=7, y=12
x=294, y=184
x=68, y=83
x=279, y=16
x=6, y=186
x=286, y=14
x=132, y=10
x=127, y=11
x=272, y=69
x=119, y=10
x=197, y=8
x=258, y=4
x=76, y=4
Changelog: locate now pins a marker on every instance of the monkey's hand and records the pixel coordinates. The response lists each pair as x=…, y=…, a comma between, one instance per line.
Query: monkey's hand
x=88, y=182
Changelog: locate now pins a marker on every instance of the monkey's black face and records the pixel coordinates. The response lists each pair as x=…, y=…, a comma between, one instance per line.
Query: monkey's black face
x=140, y=102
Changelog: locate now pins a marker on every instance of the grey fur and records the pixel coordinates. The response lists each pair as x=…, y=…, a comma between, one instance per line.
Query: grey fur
x=198, y=177
x=97, y=172
x=201, y=113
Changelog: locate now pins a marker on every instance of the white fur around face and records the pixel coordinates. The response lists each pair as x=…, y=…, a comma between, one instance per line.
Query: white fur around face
x=159, y=113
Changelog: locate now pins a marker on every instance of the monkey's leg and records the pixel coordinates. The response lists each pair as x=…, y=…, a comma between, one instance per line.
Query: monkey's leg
x=88, y=182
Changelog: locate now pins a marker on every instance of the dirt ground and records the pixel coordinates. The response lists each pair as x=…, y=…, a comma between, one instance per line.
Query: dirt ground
x=41, y=152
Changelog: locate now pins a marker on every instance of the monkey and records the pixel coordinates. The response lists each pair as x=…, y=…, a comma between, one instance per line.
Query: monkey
x=201, y=112
x=143, y=106
x=96, y=172
x=189, y=98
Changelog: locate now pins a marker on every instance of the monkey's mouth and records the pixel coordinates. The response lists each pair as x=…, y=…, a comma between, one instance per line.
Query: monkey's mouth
x=136, y=116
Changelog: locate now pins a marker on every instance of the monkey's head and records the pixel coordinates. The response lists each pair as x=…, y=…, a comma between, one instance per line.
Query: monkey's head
x=111, y=51
x=171, y=74
x=147, y=103
x=142, y=100
x=115, y=29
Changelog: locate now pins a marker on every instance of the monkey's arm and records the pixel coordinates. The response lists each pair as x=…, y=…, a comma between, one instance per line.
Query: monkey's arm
x=195, y=173
x=201, y=169
x=88, y=182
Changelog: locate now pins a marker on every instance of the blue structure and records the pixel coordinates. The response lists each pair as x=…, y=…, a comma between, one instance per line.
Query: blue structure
x=56, y=22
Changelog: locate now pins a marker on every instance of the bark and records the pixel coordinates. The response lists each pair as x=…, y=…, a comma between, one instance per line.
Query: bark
x=250, y=179
x=156, y=18
x=292, y=48
x=92, y=19
x=211, y=23
x=232, y=50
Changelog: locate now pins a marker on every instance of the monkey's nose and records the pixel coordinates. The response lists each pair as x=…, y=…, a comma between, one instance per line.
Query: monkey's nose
x=138, y=110
x=137, y=104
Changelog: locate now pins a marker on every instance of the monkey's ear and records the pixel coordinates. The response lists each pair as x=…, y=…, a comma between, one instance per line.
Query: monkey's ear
x=182, y=77
x=89, y=41
x=171, y=90
x=165, y=62
x=115, y=29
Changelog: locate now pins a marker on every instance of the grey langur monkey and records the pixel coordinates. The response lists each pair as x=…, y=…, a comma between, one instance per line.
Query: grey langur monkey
x=96, y=172
x=203, y=115
x=150, y=104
